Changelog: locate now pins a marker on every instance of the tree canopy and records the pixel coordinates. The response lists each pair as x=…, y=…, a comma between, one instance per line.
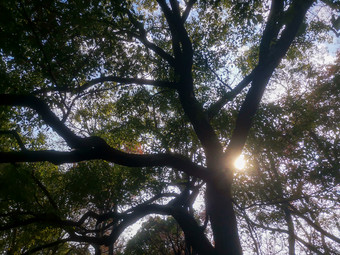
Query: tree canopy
x=113, y=111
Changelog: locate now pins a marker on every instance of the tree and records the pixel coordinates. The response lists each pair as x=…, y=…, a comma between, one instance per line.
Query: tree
x=136, y=104
x=290, y=186
x=158, y=236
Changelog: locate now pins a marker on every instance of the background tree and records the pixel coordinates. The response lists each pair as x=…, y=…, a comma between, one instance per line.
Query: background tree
x=291, y=185
x=112, y=111
x=158, y=236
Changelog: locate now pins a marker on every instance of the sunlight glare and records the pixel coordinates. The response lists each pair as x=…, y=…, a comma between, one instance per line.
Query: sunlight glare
x=240, y=163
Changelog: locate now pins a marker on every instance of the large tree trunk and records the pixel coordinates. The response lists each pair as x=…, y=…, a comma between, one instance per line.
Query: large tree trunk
x=222, y=216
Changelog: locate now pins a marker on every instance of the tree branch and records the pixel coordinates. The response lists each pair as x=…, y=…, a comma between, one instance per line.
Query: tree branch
x=324, y=148
x=272, y=29
x=270, y=57
x=217, y=106
x=143, y=39
x=105, y=152
x=46, y=114
x=193, y=232
x=49, y=218
x=179, y=35
x=88, y=148
x=175, y=40
x=216, y=75
x=187, y=10
x=183, y=72
x=138, y=81
x=117, y=79
x=297, y=10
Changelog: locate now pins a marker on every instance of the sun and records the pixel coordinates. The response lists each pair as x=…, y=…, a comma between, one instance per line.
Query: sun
x=240, y=163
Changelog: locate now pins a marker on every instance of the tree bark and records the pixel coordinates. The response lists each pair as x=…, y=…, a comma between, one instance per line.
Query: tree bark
x=222, y=215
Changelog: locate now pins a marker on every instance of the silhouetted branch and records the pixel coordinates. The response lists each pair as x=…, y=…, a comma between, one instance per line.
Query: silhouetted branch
x=162, y=84
x=41, y=107
x=178, y=34
x=88, y=148
x=217, y=76
x=112, y=155
x=192, y=230
x=117, y=79
x=49, y=218
x=217, y=106
x=270, y=56
x=187, y=10
x=142, y=37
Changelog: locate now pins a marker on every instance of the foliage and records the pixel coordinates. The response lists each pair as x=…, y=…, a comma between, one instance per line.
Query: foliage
x=115, y=110
x=157, y=236
x=292, y=168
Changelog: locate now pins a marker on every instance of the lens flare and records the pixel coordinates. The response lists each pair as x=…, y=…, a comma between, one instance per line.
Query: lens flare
x=240, y=163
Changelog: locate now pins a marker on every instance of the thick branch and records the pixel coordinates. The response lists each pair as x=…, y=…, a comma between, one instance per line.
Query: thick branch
x=272, y=29
x=88, y=148
x=184, y=59
x=49, y=218
x=201, y=125
x=187, y=10
x=46, y=114
x=247, y=112
x=269, y=60
x=193, y=232
x=179, y=34
x=297, y=10
x=112, y=155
